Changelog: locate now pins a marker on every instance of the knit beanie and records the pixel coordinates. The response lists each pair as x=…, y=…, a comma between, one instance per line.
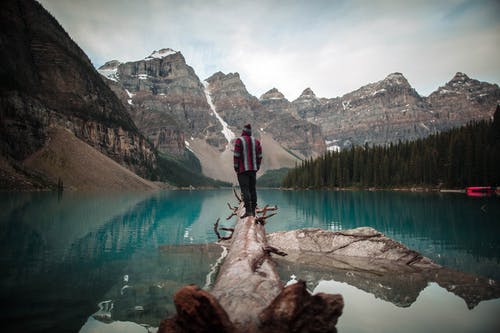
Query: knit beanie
x=247, y=129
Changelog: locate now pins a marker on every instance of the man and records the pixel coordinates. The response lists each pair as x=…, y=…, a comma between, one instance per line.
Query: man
x=247, y=158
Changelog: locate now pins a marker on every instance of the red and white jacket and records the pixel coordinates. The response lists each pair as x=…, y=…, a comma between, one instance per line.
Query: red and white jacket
x=247, y=153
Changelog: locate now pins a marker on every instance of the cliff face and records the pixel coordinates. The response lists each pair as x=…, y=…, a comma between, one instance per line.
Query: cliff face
x=47, y=81
x=165, y=98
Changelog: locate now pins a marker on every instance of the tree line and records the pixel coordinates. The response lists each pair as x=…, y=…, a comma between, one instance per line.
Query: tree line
x=465, y=156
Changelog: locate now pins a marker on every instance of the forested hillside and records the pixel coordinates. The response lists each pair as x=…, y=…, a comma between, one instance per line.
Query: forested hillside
x=464, y=156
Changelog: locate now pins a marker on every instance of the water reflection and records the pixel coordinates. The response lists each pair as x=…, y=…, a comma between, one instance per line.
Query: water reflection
x=144, y=294
x=451, y=229
x=391, y=281
x=435, y=310
x=65, y=254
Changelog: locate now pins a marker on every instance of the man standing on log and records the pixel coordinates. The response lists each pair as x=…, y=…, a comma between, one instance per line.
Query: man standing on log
x=247, y=158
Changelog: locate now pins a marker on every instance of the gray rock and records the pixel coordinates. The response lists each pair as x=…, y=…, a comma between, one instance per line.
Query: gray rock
x=364, y=242
x=366, y=259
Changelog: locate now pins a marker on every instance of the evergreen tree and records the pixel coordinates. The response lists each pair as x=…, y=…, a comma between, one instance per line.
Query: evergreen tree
x=456, y=158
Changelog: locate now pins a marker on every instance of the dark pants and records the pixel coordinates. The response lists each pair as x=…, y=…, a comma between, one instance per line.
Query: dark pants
x=247, y=182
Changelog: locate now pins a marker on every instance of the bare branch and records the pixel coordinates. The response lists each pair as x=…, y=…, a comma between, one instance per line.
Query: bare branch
x=266, y=209
x=262, y=219
x=271, y=249
x=263, y=209
x=216, y=230
x=216, y=226
x=236, y=195
x=234, y=211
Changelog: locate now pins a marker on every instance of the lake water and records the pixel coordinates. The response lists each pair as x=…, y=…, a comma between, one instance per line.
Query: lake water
x=109, y=262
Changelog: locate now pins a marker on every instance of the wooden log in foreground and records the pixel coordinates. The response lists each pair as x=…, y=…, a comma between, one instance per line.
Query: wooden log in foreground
x=248, y=295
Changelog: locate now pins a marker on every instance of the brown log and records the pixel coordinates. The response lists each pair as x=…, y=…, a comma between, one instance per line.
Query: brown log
x=248, y=281
x=248, y=295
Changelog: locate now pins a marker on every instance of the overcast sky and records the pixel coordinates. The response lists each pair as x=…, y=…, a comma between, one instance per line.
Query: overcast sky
x=333, y=47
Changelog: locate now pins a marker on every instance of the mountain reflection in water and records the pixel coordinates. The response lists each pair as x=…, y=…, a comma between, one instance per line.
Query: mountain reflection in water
x=435, y=311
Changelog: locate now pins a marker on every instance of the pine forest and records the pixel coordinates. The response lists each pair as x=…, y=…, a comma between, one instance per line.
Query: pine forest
x=457, y=158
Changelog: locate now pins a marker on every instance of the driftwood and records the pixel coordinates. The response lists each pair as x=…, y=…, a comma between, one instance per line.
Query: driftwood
x=248, y=295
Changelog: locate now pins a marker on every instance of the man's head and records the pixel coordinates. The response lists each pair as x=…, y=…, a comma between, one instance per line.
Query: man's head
x=247, y=129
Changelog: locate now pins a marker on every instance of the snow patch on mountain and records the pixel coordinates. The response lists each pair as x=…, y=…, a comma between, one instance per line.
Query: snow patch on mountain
x=226, y=131
x=111, y=73
x=130, y=95
x=161, y=54
x=332, y=145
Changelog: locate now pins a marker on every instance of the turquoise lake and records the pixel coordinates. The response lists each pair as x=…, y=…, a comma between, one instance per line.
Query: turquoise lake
x=80, y=262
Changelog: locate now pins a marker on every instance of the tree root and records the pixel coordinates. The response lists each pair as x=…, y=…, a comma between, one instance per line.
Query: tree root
x=295, y=310
x=197, y=311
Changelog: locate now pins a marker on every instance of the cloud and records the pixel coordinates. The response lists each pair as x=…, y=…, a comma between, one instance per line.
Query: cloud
x=331, y=46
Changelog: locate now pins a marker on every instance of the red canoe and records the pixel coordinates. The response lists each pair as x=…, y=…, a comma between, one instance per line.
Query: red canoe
x=480, y=191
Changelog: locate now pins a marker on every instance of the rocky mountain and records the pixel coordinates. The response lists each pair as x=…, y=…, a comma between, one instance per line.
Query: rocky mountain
x=463, y=99
x=306, y=101
x=271, y=114
x=232, y=100
x=47, y=82
x=235, y=106
x=176, y=111
x=391, y=110
x=166, y=100
x=302, y=137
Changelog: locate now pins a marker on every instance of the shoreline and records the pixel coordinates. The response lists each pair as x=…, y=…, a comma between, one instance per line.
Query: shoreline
x=165, y=186
x=371, y=189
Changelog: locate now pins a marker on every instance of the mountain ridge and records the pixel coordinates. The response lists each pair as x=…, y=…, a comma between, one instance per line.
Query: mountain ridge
x=391, y=110
x=381, y=112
